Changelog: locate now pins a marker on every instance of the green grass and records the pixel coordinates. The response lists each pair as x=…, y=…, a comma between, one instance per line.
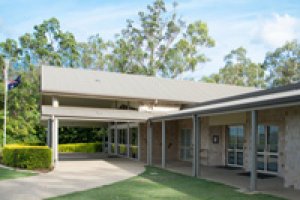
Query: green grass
x=156, y=183
x=11, y=174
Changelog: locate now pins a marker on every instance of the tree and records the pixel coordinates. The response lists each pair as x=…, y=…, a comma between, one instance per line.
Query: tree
x=49, y=45
x=283, y=64
x=160, y=44
x=93, y=53
x=238, y=70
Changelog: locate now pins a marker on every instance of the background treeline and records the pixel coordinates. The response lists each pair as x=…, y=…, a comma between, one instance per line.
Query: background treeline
x=159, y=43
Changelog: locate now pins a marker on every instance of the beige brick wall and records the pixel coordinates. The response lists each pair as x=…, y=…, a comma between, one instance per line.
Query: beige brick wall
x=292, y=148
x=287, y=119
x=143, y=142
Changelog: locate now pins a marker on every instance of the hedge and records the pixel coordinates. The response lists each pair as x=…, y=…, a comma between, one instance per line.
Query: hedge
x=28, y=157
x=112, y=148
x=134, y=149
x=80, y=147
x=122, y=148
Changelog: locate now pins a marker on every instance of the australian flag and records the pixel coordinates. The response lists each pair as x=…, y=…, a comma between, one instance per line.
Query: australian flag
x=14, y=83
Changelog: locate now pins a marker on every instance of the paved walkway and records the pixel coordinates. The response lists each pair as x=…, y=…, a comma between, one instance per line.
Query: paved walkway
x=78, y=174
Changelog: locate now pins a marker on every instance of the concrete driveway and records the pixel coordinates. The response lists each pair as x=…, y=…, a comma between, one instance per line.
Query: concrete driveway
x=78, y=173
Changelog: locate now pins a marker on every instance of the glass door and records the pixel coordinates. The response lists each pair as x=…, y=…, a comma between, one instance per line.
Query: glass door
x=235, y=147
x=267, y=148
x=186, y=145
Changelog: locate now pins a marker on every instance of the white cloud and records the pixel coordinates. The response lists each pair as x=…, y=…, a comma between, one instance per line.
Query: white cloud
x=276, y=31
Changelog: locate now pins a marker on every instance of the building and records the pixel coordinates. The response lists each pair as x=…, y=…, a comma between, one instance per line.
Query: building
x=161, y=122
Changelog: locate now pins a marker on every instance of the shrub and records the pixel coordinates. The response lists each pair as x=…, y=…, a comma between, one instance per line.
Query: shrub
x=28, y=157
x=112, y=148
x=122, y=148
x=80, y=147
x=134, y=151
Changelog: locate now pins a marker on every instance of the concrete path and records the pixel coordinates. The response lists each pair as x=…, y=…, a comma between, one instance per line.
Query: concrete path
x=78, y=174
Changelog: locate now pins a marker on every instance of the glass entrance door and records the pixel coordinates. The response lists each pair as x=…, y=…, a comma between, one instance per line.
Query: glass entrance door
x=186, y=145
x=267, y=148
x=235, y=147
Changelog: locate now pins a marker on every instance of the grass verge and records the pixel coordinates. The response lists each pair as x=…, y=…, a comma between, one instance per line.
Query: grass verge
x=11, y=174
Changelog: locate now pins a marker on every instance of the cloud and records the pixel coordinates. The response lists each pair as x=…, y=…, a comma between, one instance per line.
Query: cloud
x=276, y=31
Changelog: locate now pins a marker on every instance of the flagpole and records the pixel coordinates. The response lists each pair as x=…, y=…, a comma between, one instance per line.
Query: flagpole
x=6, y=65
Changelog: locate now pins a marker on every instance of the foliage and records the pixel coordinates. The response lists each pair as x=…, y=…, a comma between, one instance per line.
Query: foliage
x=238, y=70
x=157, y=183
x=80, y=135
x=122, y=149
x=159, y=44
x=134, y=151
x=12, y=174
x=29, y=157
x=283, y=64
x=112, y=147
x=162, y=45
x=80, y=147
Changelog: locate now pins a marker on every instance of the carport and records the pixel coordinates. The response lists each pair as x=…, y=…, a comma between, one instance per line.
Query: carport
x=56, y=116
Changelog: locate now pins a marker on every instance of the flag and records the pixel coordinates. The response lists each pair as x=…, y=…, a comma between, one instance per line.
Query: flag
x=14, y=83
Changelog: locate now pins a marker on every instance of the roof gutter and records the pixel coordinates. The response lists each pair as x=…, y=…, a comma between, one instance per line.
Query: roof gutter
x=261, y=105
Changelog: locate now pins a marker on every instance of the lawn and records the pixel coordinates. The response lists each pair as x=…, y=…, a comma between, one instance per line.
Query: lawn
x=156, y=183
x=10, y=174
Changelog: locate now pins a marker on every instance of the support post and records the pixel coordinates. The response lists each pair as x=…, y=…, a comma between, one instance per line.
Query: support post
x=196, y=146
x=128, y=141
x=139, y=144
x=149, y=143
x=109, y=140
x=49, y=133
x=253, y=150
x=116, y=139
x=103, y=143
x=54, y=140
x=163, y=144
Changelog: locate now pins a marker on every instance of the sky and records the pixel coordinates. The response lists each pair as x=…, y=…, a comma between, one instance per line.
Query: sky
x=258, y=25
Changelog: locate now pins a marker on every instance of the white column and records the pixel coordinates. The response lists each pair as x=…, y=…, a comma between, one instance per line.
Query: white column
x=116, y=139
x=128, y=141
x=163, y=144
x=49, y=133
x=139, y=144
x=253, y=150
x=195, y=170
x=149, y=143
x=54, y=133
x=109, y=139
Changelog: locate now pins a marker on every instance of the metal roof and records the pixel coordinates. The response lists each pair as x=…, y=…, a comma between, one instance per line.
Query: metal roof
x=68, y=81
x=271, y=98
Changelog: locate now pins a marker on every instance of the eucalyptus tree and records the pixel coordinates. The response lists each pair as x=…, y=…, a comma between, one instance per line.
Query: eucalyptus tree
x=239, y=70
x=160, y=43
x=283, y=64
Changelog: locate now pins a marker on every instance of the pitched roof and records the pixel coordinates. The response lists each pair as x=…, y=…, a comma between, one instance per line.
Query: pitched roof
x=117, y=85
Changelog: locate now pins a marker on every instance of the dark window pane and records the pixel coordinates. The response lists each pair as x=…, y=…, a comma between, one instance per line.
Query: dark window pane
x=272, y=164
x=240, y=160
x=261, y=139
x=260, y=162
x=273, y=132
x=231, y=158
